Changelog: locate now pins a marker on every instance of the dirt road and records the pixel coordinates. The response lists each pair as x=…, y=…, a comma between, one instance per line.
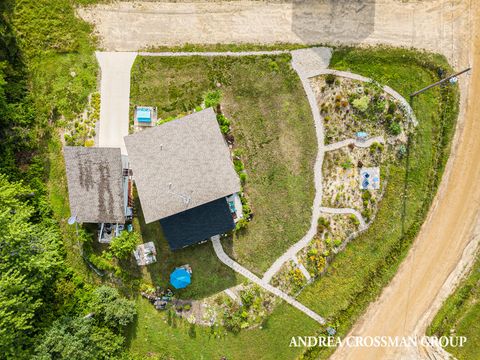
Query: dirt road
x=429, y=24
x=446, y=26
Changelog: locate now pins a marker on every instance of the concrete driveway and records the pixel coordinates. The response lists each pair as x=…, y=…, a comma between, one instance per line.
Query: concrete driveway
x=115, y=98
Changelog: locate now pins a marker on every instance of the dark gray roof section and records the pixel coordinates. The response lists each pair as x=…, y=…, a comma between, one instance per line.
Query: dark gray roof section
x=180, y=165
x=197, y=224
x=95, y=187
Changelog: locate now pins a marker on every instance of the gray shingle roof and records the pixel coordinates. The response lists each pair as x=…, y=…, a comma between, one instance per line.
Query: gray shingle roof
x=180, y=165
x=95, y=187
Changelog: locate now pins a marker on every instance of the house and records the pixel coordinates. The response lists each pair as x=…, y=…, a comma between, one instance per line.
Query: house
x=184, y=173
x=98, y=188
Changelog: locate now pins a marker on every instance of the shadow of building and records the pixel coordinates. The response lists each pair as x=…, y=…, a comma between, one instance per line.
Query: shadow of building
x=333, y=21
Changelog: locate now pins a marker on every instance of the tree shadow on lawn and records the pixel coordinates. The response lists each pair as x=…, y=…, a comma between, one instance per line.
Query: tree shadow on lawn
x=209, y=274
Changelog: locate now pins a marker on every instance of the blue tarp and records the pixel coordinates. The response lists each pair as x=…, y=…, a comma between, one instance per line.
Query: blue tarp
x=144, y=115
x=180, y=278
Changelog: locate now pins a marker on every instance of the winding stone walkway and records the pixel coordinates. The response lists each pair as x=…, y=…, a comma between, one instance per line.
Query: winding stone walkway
x=358, y=143
x=217, y=246
x=363, y=224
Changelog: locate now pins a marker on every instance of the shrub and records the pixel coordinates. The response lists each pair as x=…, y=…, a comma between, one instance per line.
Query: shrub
x=322, y=224
x=89, y=143
x=239, y=167
x=224, y=124
x=347, y=164
x=246, y=210
x=232, y=321
x=354, y=220
x=212, y=98
x=241, y=224
x=100, y=263
x=402, y=151
x=274, y=66
x=122, y=246
x=376, y=147
x=361, y=104
x=366, y=195
x=367, y=213
x=247, y=297
x=297, y=278
x=388, y=118
x=330, y=79
x=243, y=178
x=392, y=107
x=395, y=128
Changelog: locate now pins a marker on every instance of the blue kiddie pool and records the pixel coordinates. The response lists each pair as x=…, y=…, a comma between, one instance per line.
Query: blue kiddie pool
x=144, y=115
x=180, y=278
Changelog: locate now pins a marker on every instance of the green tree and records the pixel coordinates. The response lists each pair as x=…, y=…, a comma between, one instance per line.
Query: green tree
x=111, y=309
x=79, y=339
x=94, y=336
x=122, y=246
x=29, y=264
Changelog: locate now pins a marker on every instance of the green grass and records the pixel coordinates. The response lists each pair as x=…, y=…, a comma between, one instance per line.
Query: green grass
x=59, y=52
x=155, y=335
x=461, y=312
x=271, y=123
x=226, y=47
x=357, y=275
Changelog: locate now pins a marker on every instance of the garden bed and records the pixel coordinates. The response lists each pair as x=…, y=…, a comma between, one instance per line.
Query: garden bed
x=333, y=231
x=350, y=106
x=341, y=180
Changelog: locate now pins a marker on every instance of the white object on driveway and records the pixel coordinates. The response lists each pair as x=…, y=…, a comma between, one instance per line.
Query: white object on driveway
x=114, y=97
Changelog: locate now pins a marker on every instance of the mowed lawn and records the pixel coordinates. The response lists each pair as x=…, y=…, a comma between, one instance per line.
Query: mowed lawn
x=358, y=274
x=272, y=125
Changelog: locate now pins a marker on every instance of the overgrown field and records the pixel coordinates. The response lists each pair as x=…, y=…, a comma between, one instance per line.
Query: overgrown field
x=459, y=316
x=273, y=130
x=357, y=275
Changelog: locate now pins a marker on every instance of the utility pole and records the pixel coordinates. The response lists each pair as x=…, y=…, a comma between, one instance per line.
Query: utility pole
x=439, y=82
